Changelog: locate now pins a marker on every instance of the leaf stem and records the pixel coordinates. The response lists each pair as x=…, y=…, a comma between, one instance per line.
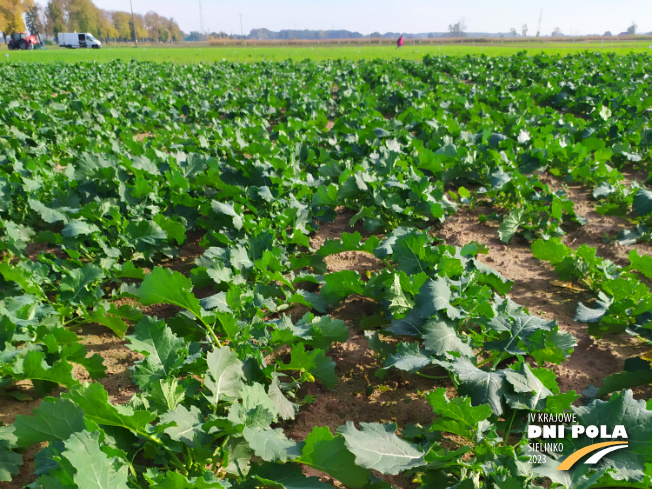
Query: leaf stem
x=132, y=470
x=497, y=361
x=175, y=460
x=216, y=454
x=433, y=377
x=509, y=428
x=74, y=320
x=209, y=328
x=489, y=359
x=188, y=454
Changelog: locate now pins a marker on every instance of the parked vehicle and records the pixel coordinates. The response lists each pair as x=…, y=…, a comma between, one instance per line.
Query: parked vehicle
x=23, y=40
x=78, y=40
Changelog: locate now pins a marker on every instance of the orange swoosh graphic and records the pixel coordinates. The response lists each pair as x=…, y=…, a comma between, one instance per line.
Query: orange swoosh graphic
x=574, y=457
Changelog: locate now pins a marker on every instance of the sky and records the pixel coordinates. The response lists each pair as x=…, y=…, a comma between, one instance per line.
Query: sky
x=407, y=16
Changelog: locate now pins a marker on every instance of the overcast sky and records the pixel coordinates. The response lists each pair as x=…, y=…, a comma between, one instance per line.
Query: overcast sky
x=408, y=16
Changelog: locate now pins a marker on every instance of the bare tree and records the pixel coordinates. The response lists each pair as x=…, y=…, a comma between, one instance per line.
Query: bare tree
x=512, y=32
x=457, y=29
x=524, y=30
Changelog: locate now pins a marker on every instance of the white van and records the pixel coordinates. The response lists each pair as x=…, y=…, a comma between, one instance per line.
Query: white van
x=78, y=40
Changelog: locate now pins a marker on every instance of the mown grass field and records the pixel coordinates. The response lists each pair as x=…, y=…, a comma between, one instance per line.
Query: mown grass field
x=209, y=54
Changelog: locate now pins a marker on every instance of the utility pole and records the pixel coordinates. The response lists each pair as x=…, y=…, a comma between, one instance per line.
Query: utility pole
x=133, y=24
x=201, y=21
x=539, y=26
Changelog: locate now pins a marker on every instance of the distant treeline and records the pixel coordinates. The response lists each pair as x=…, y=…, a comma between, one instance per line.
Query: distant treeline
x=83, y=16
x=240, y=41
x=317, y=35
x=334, y=35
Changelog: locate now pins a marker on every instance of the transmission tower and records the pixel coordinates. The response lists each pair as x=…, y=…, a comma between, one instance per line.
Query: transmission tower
x=201, y=20
x=539, y=26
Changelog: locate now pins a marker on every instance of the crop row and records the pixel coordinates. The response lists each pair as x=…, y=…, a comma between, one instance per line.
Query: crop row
x=107, y=169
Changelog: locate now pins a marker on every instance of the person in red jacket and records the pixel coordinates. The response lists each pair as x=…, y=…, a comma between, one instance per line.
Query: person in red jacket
x=399, y=42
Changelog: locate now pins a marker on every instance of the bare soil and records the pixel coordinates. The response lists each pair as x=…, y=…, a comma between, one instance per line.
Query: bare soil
x=117, y=358
x=537, y=288
x=359, y=395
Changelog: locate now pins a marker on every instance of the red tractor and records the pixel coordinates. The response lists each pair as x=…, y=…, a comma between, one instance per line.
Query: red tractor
x=23, y=40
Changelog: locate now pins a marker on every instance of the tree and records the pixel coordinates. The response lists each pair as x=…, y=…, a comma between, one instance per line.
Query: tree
x=55, y=17
x=524, y=30
x=83, y=16
x=140, y=30
x=556, y=32
x=631, y=30
x=161, y=29
x=163, y=34
x=512, y=32
x=153, y=25
x=122, y=23
x=11, y=16
x=457, y=29
x=33, y=19
x=173, y=28
x=218, y=35
x=607, y=34
x=107, y=29
x=73, y=16
x=195, y=36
